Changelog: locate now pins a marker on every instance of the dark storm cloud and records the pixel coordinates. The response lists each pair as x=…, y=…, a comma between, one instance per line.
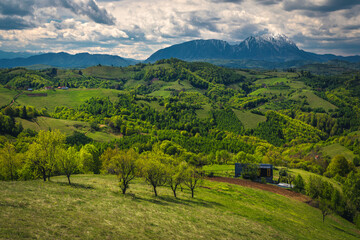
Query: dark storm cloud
x=16, y=8
x=90, y=9
x=268, y=2
x=87, y=8
x=328, y=6
x=12, y=22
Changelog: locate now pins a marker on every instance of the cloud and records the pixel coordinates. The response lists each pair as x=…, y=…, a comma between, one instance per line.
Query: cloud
x=7, y=23
x=323, y=6
x=90, y=9
x=268, y=2
x=17, y=8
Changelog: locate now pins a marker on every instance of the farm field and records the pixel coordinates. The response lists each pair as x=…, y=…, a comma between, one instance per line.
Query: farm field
x=337, y=149
x=94, y=208
x=68, y=98
x=250, y=120
x=6, y=96
x=67, y=127
x=313, y=100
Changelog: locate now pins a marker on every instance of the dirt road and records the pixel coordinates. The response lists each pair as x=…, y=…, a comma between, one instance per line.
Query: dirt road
x=265, y=187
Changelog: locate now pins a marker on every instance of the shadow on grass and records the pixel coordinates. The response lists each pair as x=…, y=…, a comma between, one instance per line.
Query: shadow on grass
x=75, y=185
x=342, y=230
x=166, y=200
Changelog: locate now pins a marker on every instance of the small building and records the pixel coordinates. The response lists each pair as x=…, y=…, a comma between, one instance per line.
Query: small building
x=48, y=88
x=263, y=170
x=30, y=89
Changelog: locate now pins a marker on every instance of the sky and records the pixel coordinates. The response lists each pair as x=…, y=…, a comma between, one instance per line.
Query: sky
x=138, y=28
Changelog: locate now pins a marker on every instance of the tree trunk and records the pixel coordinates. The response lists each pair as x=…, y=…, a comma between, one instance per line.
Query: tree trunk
x=44, y=175
x=124, y=190
x=192, y=192
x=155, y=190
x=174, y=191
x=68, y=176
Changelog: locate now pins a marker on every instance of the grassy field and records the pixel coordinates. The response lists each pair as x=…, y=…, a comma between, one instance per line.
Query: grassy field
x=250, y=120
x=69, y=98
x=94, y=208
x=313, y=100
x=337, y=149
x=220, y=170
x=46, y=123
x=306, y=175
x=6, y=96
x=67, y=127
x=205, y=112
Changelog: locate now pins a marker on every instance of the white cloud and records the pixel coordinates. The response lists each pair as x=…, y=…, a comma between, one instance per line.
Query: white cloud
x=138, y=28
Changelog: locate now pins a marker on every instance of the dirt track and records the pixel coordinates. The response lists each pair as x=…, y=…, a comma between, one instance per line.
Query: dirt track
x=265, y=187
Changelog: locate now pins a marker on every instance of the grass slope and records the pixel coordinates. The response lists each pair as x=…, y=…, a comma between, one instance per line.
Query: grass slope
x=94, y=208
x=337, y=149
x=68, y=98
x=250, y=120
x=67, y=127
x=6, y=96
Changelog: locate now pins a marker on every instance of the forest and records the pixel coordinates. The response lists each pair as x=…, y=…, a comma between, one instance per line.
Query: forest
x=170, y=118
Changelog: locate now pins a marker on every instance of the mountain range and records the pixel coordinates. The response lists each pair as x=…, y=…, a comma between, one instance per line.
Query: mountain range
x=270, y=48
x=266, y=51
x=65, y=60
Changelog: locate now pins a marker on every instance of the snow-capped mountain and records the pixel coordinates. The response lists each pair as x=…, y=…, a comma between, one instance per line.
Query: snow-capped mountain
x=269, y=47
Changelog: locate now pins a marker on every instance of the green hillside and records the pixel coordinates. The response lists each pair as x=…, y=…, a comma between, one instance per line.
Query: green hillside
x=94, y=208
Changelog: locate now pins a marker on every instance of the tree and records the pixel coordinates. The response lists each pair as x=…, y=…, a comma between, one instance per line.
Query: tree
x=176, y=174
x=90, y=159
x=9, y=162
x=68, y=161
x=43, y=152
x=290, y=179
x=193, y=179
x=338, y=165
x=351, y=189
x=299, y=183
x=153, y=170
x=125, y=166
x=324, y=207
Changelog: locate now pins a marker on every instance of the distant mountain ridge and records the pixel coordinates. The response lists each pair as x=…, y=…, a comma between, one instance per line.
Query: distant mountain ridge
x=271, y=48
x=65, y=60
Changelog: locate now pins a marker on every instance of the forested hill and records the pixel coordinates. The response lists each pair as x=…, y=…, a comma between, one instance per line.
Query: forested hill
x=194, y=112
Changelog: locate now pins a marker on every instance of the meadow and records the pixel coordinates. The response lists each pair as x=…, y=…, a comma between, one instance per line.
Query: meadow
x=94, y=208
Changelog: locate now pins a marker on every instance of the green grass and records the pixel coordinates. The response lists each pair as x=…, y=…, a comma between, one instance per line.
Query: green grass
x=272, y=81
x=6, y=96
x=250, y=120
x=205, y=112
x=337, y=149
x=152, y=104
x=67, y=127
x=306, y=175
x=46, y=123
x=68, y=98
x=93, y=208
x=313, y=100
x=220, y=170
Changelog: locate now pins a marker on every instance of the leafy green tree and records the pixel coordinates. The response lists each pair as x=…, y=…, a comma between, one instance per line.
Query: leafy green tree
x=299, y=183
x=153, y=171
x=176, y=174
x=9, y=162
x=126, y=167
x=193, y=179
x=68, y=161
x=324, y=207
x=90, y=159
x=338, y=165
x=43, y=152
x=351, y=189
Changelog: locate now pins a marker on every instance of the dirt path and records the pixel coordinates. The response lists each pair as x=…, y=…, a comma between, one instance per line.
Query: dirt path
x=265, y=187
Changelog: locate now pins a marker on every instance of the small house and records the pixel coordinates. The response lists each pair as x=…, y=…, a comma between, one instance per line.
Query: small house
x=48, y=88
x=30, y=89
x=263, y=170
